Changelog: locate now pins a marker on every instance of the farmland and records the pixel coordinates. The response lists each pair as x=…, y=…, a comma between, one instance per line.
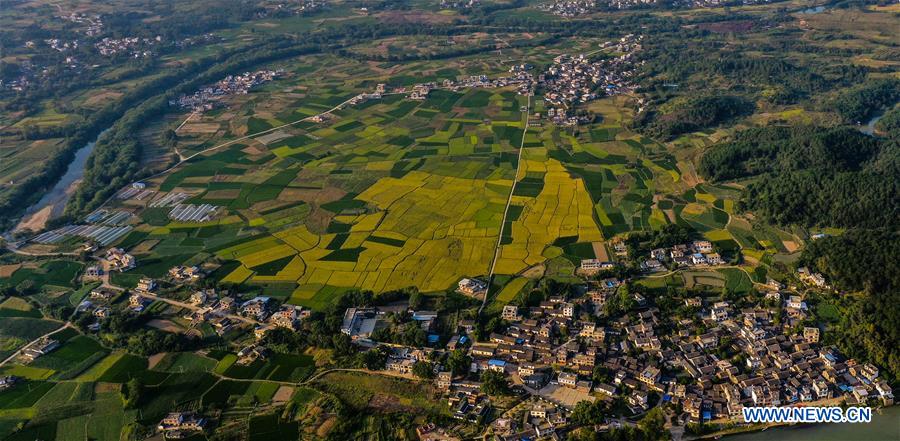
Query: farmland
x=392, y=192
x=396, y=148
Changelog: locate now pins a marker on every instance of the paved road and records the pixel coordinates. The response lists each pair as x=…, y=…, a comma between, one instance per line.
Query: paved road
x=506, y=210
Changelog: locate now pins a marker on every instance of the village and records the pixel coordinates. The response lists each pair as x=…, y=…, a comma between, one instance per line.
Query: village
x=707, y=357
x=207, y=97
x=569, y=8
x=708, y=360
x=574, y=80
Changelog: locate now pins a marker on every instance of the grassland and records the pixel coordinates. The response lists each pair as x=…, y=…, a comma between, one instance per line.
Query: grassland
x=380, y=393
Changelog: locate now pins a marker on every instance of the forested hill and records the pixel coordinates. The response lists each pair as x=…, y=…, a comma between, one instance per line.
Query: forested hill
x=864, y=260
x=812, y=176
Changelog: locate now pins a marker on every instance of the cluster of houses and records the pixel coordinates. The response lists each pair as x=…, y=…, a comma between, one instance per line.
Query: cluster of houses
x=294, y=7
x=360, y=323
x=569, y=8
x=213, y=309
x=520, y=77
x=459, y=4
x=185, y=274
x=248, y=355
x=178, y=425
x=38, y=349
x=61, y=45
x=778, y=368
x=100, y=299
x=735, y=358
x=577, y=79
x=712, y=363
x=640, y=4
x=466, y=401
x=431, y=432
x=815, y=279
x=542, y=420
x=472, y=287
x=207, y=97
x=7, y=382
x=136, y=47
x=118, y=260
x=28, y=72
x=93, y=23
x=696, y=253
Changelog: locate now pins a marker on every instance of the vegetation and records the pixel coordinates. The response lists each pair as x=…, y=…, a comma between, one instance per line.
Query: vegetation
x=812, y=176
x=694, y=114
x=859, y=103
x=862, y=261
x=733, y=134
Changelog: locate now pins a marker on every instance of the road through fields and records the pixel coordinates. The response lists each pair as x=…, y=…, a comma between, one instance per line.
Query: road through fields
x=506, y=210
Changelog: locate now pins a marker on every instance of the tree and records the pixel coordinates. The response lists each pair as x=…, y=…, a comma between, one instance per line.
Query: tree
x=374, y=359
x=654, y=425
x=342, y=344
x=416, y=299
x=423, y=370
x=458, y=362
x=494, y=383
x=588, y=413
x=132, y=391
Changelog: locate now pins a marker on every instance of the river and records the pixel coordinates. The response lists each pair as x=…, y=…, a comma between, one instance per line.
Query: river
x=54, y=201
x=885, y=426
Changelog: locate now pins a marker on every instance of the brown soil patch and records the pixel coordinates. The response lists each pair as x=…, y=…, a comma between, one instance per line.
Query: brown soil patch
x=319, y=196
x=102, y=98
x=8, y=270
x=144, y=247
x=600, y=251
x=790, y=245
x=535, y=272
x=199, y=128
x=318, y=221
x=726, y=27
x=39, y=248
x=283, y=394
x=154, y=360
x=164, y=325
x=387, y=403
x=102, y=388
x=326, y=427
x=230, y=193
x=252, y=150
x=401, y=17
x=269, y=205
x=36, y=221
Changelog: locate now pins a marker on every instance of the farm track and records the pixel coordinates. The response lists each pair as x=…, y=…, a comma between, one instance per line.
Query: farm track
x=506, y=210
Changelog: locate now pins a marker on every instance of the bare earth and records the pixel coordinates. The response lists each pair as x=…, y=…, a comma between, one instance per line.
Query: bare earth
x=283, y=394
x=600, y=251
x=8, y=270
x=154, y=360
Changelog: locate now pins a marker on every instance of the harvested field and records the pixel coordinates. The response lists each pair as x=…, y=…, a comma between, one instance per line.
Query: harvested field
x=164, y=325
x=197, y=127
x=8, y=270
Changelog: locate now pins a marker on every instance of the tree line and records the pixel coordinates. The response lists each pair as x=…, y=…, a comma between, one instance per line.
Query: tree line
x=811, y=176
x=864, y=261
